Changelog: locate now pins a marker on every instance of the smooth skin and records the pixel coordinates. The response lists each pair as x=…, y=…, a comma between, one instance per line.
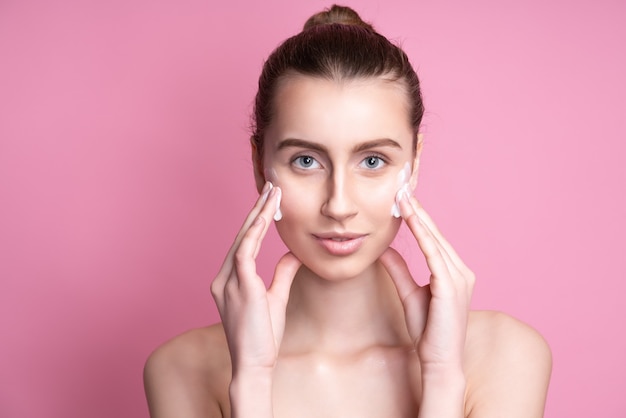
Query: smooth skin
x=346, y=335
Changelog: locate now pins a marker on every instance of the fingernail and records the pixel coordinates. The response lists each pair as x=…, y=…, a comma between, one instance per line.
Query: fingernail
x=266, y=190
x=402, y=193
x=278, y=215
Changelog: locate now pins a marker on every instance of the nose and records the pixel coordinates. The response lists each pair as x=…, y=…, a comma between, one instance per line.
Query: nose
x=338, y=203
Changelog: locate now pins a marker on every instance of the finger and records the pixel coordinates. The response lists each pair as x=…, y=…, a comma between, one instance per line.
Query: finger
x=244, y=262
x=415, y=299
x=267, y=213
x=217, y=291
x=254, y=235
x=256, y=209
x=245, y=256
x=285, y=272
x=399, y=273
x=430, y=224
x=459, y=272
x=436, y=258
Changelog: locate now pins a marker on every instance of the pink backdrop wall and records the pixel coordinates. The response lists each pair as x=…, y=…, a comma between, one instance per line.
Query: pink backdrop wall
x=125, y=173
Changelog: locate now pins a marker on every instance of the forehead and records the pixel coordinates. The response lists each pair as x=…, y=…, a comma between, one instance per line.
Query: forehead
x=350, y=110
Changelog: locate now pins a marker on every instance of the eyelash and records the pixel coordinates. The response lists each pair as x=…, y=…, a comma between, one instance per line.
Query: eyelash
x=380, y=159
x=300, y=158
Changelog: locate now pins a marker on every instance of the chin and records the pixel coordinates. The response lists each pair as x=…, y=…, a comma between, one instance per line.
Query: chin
x=337, y=272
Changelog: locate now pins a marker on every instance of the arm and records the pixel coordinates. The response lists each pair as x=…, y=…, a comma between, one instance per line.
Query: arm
x=496, y=367
x=251, y=394
x=253, y=316
x=509, y=364
x=194, y=375
x=436, y=314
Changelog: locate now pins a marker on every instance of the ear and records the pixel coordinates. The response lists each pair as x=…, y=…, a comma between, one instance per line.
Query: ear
x=416, y=162
x=259, y=177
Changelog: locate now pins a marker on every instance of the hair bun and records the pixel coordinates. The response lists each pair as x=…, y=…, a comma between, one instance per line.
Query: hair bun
x=336, y=14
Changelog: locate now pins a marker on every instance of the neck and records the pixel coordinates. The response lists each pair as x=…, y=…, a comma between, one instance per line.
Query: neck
x=343, y=315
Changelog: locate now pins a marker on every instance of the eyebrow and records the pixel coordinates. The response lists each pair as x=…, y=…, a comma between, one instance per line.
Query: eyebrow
x=300, y=143
x=375, y=143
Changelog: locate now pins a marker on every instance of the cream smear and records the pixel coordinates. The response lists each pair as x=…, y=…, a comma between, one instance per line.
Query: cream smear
x=404, y=177
x=273, y=179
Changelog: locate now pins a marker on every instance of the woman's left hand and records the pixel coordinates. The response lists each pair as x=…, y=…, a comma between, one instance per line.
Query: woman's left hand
x=436, y=313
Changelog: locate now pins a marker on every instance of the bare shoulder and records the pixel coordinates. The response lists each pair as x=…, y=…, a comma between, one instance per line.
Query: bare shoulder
x=500, y=333
x=508, y=367
x=189, y=375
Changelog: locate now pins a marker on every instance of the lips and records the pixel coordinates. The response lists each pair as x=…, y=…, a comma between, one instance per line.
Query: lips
x=340, y=244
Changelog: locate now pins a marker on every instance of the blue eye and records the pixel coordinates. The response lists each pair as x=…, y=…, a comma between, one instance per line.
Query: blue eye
x=373, y=162
x=306, y=161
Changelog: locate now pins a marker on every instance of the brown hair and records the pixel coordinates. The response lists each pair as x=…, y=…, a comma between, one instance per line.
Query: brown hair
x=335, y=44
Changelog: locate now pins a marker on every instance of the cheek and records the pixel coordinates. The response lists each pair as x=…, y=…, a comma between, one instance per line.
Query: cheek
x=377, y=197
x=296, y=199
x=376, y=203
x=298, y=210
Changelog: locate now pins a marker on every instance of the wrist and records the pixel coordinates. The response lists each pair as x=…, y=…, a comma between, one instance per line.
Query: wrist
x=450, y=381
x=443, y=373
x=443, y=392
x=250, y=394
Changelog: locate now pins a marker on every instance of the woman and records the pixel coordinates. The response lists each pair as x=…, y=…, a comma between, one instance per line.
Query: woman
x=344, y=330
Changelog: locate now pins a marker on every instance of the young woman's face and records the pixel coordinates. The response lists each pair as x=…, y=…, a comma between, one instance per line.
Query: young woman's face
x=338, y=151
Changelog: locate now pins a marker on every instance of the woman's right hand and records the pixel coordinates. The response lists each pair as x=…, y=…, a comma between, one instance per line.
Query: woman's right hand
x=253, y=317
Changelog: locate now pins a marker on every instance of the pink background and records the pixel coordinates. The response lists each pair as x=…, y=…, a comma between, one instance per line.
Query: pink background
x=125, y=174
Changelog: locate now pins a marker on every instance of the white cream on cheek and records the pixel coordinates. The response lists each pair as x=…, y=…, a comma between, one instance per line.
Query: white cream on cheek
x=403, y=183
